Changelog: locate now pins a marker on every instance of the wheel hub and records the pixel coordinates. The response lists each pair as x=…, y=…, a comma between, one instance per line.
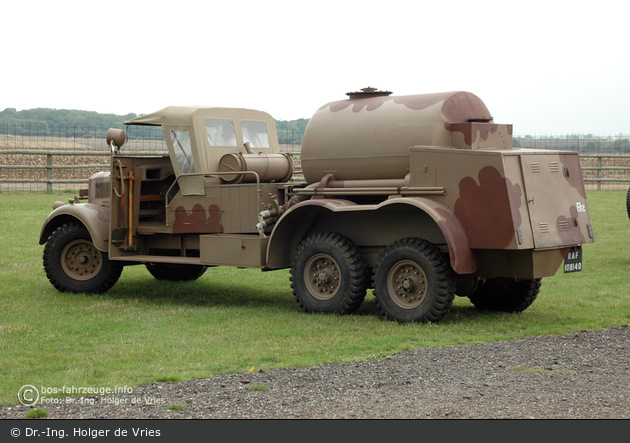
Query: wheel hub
x=322, y=277
x=80, y=260
x=407, y=284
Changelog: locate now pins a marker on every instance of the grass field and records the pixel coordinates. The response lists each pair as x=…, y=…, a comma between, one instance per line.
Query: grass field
x=234, y=320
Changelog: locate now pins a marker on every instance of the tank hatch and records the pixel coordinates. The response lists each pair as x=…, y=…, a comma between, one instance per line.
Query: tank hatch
x=368, y=92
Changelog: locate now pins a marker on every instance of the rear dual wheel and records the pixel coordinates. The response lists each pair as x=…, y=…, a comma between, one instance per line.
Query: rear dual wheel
x=505, y=294
x=413, y=282
x=328, y=274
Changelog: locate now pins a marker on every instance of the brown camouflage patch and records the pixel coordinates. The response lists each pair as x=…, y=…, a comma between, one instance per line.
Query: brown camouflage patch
x=485, y=211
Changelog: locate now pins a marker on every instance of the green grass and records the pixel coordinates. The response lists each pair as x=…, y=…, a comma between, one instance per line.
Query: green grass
x=261, y=387
x=231, y=320
x=36, y=413
x=177, y=407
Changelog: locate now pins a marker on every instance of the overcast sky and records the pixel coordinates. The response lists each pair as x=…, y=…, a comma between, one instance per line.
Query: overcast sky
x=547, y=67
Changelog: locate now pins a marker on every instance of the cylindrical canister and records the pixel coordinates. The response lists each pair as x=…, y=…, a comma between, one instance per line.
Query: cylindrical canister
x=269, y=167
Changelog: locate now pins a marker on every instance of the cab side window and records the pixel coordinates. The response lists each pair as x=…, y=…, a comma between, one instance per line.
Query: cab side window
x=220, y=132
x=255, y=133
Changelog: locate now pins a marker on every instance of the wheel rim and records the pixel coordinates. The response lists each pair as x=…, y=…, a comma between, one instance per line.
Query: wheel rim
x=80, y=260
x=322, y=277
x=407, y=284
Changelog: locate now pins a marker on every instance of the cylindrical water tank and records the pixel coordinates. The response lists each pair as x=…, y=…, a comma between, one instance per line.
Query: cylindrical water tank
x=368, y=136
x=269, y=167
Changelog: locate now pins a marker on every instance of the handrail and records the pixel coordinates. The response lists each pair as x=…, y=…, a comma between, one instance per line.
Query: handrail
x=384, y=190
x=122, y=180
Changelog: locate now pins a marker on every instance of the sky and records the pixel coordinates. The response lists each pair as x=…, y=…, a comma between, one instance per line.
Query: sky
x=546, y=67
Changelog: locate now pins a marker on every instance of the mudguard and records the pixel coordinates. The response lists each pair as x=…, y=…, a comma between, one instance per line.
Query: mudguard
x=463, y=260
x=94, y=217
x=289, y=229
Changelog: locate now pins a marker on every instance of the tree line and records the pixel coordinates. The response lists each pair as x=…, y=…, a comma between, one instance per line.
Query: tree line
x=42, y=122
x=54, y=121
x=75, y=123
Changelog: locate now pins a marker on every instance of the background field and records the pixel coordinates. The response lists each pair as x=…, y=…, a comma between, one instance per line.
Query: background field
x=234, y=320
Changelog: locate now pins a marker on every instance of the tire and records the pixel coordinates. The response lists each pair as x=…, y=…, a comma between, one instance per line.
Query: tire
x=506, y=294
x=413, y=282
x=73, y=264
x=328, y=274
x=628, y=203
x=175, y=272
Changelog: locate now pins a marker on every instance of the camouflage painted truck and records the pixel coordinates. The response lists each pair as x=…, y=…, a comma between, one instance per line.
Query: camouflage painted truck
x=418, y=197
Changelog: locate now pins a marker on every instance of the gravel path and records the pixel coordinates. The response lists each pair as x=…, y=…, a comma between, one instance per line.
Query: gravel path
x=584, y=375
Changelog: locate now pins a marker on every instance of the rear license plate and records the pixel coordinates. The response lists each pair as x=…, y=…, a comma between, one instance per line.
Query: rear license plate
x=573, y=260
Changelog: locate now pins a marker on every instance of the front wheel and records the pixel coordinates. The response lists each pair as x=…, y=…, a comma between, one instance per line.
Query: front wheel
x=328, y=274
x=413, y=282
x=505, y=294
x=73, y=264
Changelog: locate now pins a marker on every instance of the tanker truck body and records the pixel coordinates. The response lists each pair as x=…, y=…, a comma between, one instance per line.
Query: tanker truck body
x=419, y=198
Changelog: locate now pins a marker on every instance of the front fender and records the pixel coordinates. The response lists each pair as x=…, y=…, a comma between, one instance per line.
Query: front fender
x=94, y=217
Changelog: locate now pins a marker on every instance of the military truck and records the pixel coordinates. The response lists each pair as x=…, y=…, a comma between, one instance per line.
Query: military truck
x=418, y=197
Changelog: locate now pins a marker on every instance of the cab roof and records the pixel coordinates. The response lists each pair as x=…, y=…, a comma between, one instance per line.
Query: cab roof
x=185, y=115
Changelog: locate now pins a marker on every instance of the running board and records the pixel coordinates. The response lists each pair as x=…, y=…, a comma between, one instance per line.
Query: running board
x=158, y=259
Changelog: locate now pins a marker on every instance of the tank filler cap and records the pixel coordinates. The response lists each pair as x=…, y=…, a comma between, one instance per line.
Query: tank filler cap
x=368, y=92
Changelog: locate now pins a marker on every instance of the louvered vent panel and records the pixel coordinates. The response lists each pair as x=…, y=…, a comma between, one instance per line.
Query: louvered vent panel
x=544, y=227
x=535, y=167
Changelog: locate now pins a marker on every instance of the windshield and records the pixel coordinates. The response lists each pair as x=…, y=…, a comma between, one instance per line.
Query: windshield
x=183, y=151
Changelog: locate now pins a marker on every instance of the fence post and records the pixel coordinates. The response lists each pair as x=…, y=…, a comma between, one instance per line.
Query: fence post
x=49, y=162
x=599, y=173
